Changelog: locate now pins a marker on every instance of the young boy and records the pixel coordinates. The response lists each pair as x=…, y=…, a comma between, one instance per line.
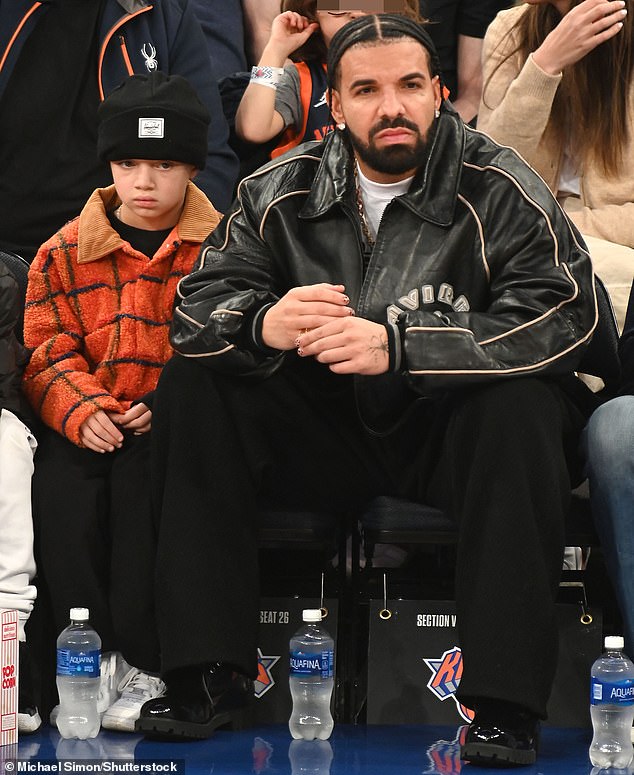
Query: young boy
x=97, y=317
x=17, y=445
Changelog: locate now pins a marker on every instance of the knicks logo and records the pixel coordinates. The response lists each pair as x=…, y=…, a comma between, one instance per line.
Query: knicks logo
x=446, y=673
x=265, y=679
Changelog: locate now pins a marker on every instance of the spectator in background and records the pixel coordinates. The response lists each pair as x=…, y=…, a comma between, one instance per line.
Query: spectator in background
x=609, y=448
x=457, y=28
x=291, y=99
x=98, y=309
x=223, y=25
x=66, y=55
x=258, y=19
x=559, y=88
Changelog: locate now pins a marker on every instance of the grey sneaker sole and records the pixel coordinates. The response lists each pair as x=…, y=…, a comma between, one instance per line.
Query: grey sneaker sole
x=118, y=724
x=28, y=723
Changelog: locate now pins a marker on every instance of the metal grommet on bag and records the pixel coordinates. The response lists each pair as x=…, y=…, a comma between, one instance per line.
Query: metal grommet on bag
x=586, y=617
x=322, y=607
x=385, y=612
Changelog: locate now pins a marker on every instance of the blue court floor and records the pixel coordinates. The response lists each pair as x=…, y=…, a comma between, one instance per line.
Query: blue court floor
x=362, y=750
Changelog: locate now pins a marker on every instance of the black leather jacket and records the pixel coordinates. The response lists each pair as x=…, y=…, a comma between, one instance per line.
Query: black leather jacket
x=476, y=272
x=12, y=355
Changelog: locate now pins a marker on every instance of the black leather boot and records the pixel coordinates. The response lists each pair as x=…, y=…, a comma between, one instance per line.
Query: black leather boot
x=198, y=700
x=501, y=735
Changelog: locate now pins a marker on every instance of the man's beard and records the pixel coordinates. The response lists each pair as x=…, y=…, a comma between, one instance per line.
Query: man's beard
x=393, y=159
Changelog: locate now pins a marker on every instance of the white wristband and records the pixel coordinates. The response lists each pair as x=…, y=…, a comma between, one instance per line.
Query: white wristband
x=266, y=76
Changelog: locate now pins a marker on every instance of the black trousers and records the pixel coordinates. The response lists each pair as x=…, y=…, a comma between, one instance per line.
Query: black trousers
x=494, y=457
x=95, y=540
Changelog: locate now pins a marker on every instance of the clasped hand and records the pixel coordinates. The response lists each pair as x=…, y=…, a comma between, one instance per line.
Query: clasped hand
x=101, y=432
x=318, y=321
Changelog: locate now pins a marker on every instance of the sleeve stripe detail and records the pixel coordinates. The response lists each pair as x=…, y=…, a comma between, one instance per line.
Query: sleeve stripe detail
x=274, y=202
x=205, y=355
x=266, y=170
x=227, y=230
x=514, y=370
x=545, y=315
x=529, y=199
x=485, y=263
x=227, y=312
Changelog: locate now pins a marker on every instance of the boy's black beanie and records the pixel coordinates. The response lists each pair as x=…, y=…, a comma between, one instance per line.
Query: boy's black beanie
x=153, y=116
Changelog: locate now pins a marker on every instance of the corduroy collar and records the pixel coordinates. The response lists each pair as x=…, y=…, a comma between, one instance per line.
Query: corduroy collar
x=96, y=237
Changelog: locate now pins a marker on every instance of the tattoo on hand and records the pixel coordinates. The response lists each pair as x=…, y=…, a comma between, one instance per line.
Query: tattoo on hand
x=378, y=345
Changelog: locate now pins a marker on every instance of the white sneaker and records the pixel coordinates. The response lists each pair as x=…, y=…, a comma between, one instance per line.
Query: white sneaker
x=113, y=670
x=136, y=689
x=29, y=721
x=573, y=558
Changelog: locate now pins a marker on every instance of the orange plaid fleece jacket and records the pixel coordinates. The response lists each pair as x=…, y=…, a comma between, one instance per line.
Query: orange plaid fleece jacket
x=98, y=312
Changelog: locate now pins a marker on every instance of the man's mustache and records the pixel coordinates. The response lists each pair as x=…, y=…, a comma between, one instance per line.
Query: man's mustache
x=394, y=123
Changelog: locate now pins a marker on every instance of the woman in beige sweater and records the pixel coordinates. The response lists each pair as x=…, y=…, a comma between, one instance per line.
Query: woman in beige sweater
x=558, y=88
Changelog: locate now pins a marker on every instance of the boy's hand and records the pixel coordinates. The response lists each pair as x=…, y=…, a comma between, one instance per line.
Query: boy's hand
x=138, y=418
x=99, y=433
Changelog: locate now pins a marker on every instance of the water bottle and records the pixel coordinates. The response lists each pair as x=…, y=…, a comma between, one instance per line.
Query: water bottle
x=78, y=669
x=312, y=662
x=612, y=706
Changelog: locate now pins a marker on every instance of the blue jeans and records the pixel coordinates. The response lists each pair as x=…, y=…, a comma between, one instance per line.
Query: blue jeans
x=608, y=442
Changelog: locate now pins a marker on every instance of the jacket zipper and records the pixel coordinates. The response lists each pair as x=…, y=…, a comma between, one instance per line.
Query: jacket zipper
x=25, y=18
x=107, y=40
x=355, y=224
x=124, y=54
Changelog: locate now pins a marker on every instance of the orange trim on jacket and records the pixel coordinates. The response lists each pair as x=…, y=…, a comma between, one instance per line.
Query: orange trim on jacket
x=25, y=18
x=107, y=40
x=292, y=137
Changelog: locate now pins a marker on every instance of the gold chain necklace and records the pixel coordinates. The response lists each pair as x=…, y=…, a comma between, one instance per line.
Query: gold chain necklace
x=365, y=228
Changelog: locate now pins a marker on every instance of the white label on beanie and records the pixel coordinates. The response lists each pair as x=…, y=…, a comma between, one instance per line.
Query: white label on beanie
x=151, y=127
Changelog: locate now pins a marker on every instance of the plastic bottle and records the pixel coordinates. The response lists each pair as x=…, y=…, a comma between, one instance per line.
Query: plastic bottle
x=312, y=662
x=78, y=668
x=612, y=706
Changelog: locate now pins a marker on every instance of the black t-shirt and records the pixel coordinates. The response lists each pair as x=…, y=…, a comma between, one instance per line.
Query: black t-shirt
x=48, y=131
x=145, y=241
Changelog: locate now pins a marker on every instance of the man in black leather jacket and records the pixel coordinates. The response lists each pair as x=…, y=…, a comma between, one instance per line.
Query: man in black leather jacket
x=395, y=310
